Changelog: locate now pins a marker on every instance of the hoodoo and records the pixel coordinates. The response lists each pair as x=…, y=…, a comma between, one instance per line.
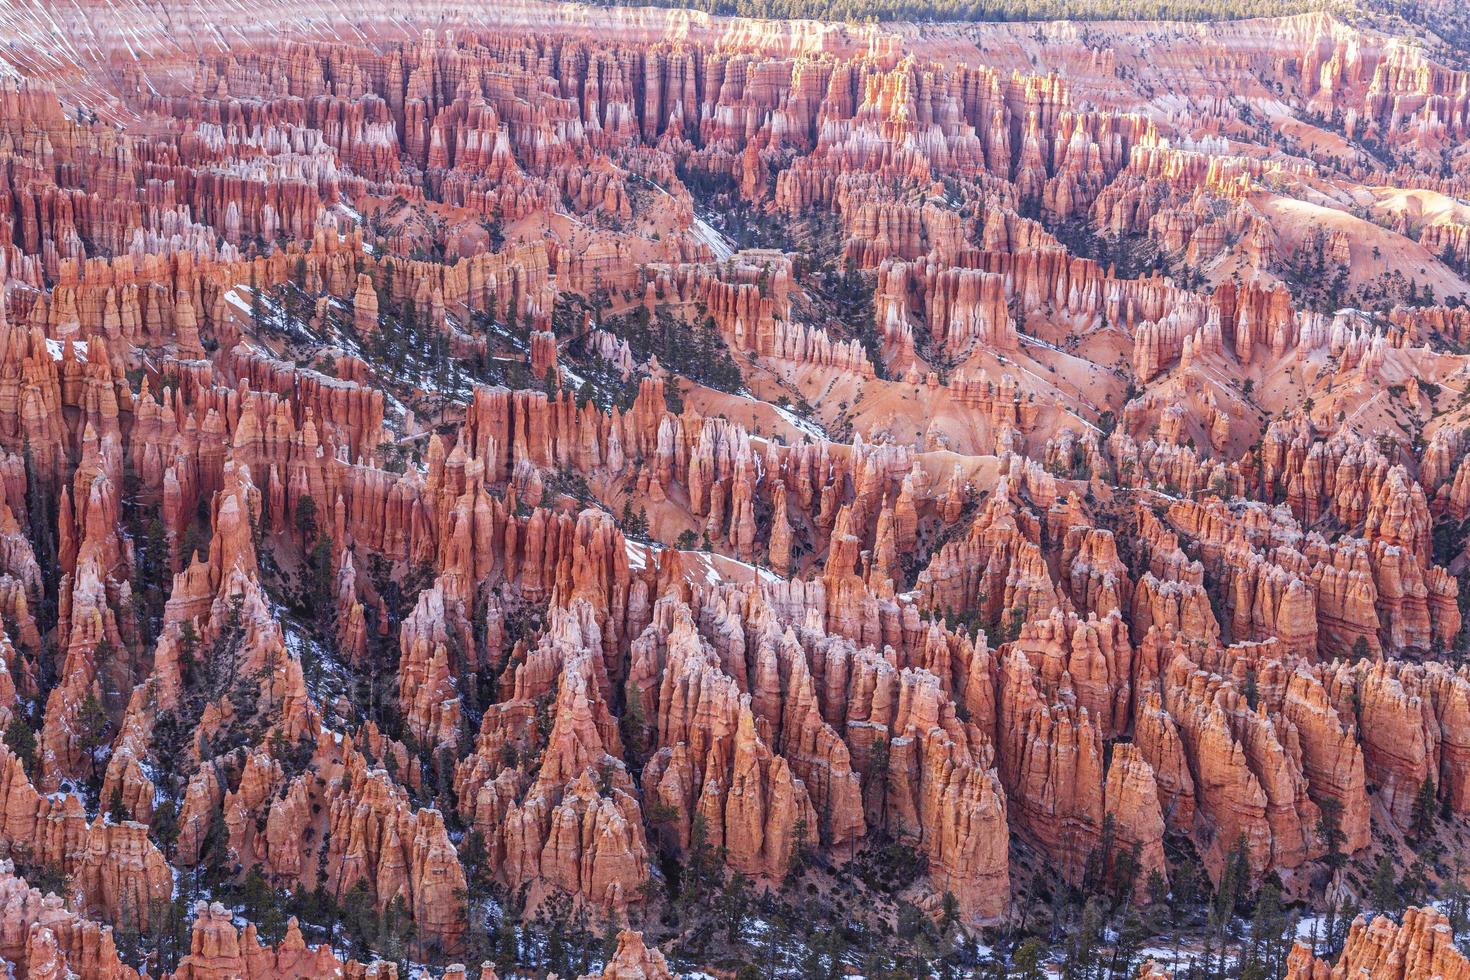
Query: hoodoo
x=544, y=490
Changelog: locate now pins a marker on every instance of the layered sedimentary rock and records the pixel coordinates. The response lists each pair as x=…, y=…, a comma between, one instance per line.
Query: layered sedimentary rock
x=635, y=961
x=534, y=453
x=1421, y=946
x=218, y=949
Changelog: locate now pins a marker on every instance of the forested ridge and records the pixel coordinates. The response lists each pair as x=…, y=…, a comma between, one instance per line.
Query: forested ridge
x=1447, y=20
x=991, y=10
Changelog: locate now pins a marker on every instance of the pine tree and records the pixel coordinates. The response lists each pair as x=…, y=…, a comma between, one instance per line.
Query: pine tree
x=93, y=725
x=1083, y=950
x=949, y=919
x=633, y=726
x=1026, y=964
x=117, y=811
x=1426, y=806
x=165, y=826
x=507, y=941
x=1131, y=934
x=1323, y=943
x=396, y=930
x=262, y=906
x=1157, y=888
x=701, y=866
x=257, y=306
x=1329, y=831
x=878, y=773
x=1234, y=886
x=21, y=741
x=1384, y=887
x=1265, y=928
x=734, y=904
x=359, y=919
x=306, y=521
x=472, y=857
x=215, y=850
x=673, y=397
x=1457, y=900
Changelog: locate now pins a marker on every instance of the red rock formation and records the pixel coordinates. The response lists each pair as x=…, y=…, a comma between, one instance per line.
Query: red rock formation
x=122, y=876
x=1422, y=947
x=1101, y=555
x=1131, y=799
x=634, y=961
x=39, y=933
x=217, y=950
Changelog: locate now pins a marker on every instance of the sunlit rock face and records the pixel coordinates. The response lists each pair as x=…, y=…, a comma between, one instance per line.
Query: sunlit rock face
x=549, y=464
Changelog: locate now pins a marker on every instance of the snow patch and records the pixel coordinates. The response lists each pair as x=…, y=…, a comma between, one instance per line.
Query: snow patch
x=638, y=554
x=57, y=349
x=805, y=425
x=718, y=243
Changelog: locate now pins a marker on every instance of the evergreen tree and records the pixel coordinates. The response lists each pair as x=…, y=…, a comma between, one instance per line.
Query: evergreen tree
x=701, y=866
x=1426, y=806
x=165, y=826
x=473, y=857
x=262, y=906
x=1384, y=887
x=1234, y=885
x=1329, y=831
x=1026, y=964
x=1347, y=911
x=1157, y=888
x=117, y=811
x=306, y=521
x=93, y=726
x=359, y=919
x=734, y=905
x=396, y=931
x=507, y=941
x=1085, y=947
x=1457, y=900
x=635, y=526
x=257, y=305
x=21, y=741
x=1131, y=933
x=633, y=727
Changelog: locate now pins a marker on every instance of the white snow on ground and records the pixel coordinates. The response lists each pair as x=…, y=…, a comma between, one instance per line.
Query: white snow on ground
x=805, y=425
x=233, y=297
x=1168, y=958
x=1306, y=924
x=1026, y=338
x=715, y=567
x=718, y=568
x=333, y=677
x=56, y=350
x=718, y=243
